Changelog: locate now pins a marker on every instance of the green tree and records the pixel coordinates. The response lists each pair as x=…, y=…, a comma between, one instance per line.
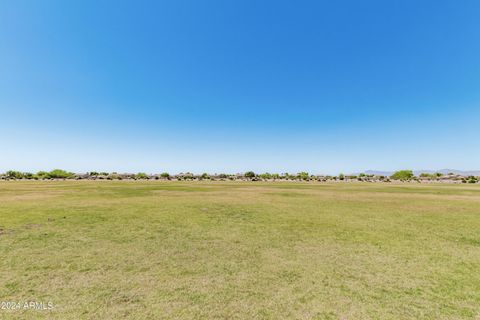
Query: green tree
x=249, y=174
x=141, y=175
x=472, y=179
x=165, y=175
x=42, y=175
x=265, y=176
x=11, y=174
x=60, y=174
x=28, y=175
x=303, y=175
x=402, y=175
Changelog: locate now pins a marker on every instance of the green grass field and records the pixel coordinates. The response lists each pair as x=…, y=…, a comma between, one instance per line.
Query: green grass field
x=218, y=250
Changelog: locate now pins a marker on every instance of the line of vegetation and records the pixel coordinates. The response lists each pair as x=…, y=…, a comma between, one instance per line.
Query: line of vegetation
x=402, y=175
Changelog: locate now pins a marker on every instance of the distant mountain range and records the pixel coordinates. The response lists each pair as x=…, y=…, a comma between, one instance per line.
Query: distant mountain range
x=417, y=172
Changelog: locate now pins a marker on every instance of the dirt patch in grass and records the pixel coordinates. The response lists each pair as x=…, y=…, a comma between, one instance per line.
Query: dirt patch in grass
x=4, y=231
x=33, y=225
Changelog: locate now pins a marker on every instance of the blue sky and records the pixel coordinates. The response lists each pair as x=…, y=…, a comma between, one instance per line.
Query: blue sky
x=229, y=86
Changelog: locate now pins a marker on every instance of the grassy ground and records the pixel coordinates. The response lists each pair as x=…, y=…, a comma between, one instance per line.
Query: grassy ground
x=154, y=250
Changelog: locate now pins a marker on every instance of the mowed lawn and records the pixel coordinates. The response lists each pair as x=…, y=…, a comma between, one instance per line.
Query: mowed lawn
x=240, y=250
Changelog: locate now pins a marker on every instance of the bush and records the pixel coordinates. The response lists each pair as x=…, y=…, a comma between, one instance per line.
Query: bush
x=303, y=175
x=402, y=175
x=287, y=176
x=42, y=175
x=60, y=174
x=165, y=175
x=113, y=176
x=471, y=179
x=28, y=175
x=249, y=174
x=188, y=175
x=141, y=175
x=11, y=174
x=265, y=176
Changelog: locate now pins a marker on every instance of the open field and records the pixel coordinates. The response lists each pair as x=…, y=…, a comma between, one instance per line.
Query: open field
x=219, y=250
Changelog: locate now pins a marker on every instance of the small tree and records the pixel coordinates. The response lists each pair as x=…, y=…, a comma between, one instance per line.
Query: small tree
x=341, y=176
x=141, y=175
x=42, y=175
x=265, y=176
x=11, y=174
x=402, y=175
x=303, y=176
x=249, y=174
x=165, y=175
x=471, y=179
x=60, y=174
x=28, y=175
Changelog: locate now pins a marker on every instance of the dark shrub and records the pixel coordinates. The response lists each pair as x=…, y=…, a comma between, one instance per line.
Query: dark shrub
x=249, y=174
x=165, y=175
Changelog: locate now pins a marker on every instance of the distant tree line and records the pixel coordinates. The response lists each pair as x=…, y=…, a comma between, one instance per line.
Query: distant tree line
x=40, y=175
x=402, y=175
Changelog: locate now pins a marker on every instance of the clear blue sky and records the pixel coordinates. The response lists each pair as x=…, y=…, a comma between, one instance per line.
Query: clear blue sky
x=229, y=86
